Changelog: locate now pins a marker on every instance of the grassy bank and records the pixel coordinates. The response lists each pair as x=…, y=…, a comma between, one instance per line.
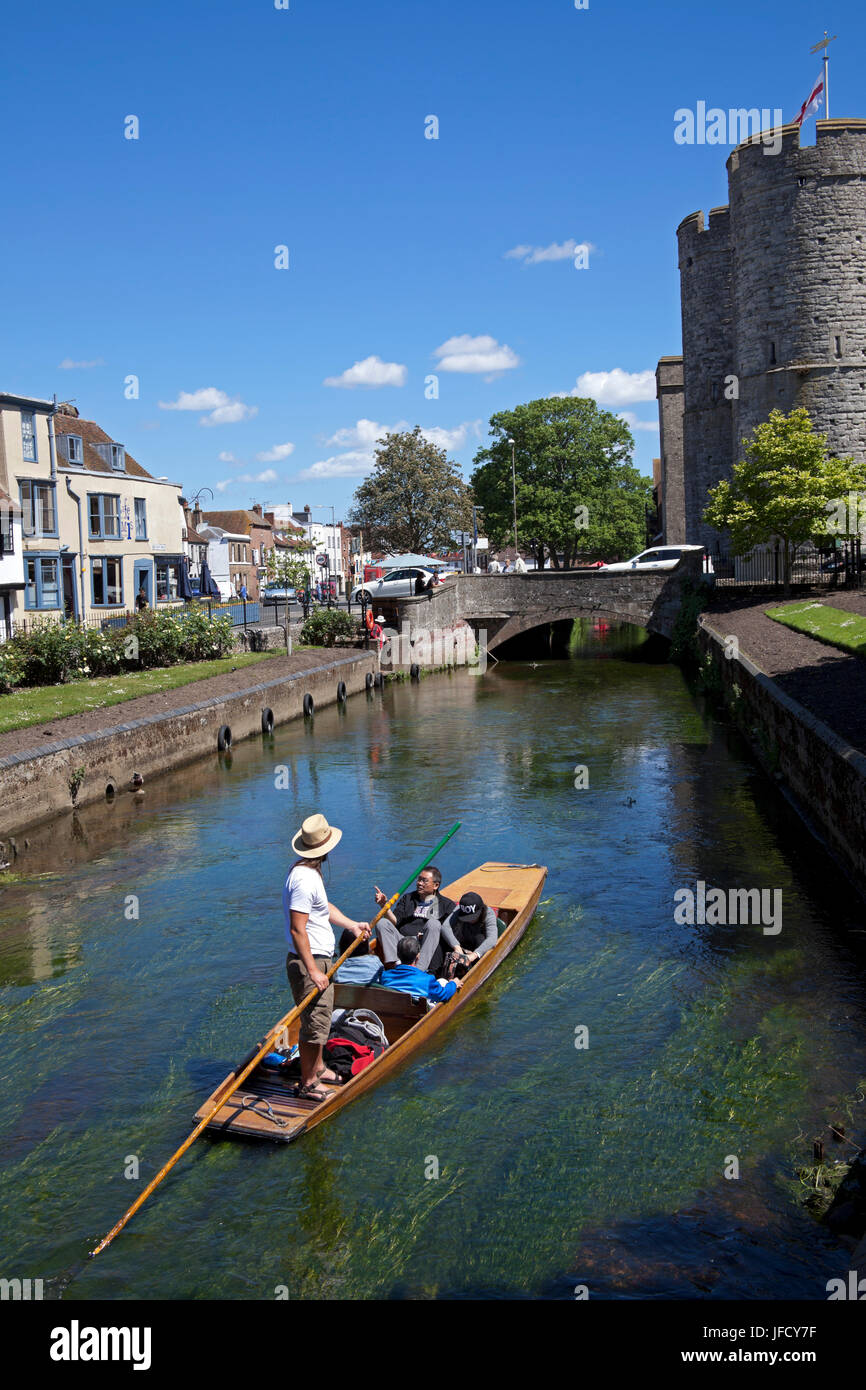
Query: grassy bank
x=43, y=704
x=835, y=626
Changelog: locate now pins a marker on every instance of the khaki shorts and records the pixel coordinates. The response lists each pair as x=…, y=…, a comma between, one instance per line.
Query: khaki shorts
x=316, y=1020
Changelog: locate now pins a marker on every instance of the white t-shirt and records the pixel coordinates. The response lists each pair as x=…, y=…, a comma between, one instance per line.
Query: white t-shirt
x=305, y=892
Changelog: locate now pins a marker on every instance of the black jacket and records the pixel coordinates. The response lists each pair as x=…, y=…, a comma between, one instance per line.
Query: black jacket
x=404, y=909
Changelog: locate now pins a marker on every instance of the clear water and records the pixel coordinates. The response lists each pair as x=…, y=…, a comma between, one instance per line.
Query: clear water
x=557, y=1166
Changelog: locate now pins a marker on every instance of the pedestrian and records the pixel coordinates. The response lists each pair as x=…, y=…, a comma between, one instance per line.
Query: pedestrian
x=243, y=592
x=520, y=565
x=310, y=919
x=495, y=567
x=141, y=598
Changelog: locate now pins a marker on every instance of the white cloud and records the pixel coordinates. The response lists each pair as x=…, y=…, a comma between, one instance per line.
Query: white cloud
x=482, y=354
x=225, y=457
x=268, y=476
x=279, y=451
x=371, y=372
x=223, y=409
x=556, y=251
x=67, y=365
x=452, y=439
x=616, y=387
x=652, y=426
x=361, y=437
x=363, y=432
x=355, y=464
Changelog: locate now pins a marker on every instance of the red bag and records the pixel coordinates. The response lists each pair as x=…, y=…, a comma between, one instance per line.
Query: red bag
x=357, y=1055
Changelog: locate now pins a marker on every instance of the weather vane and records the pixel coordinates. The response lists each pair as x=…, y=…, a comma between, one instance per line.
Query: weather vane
x=816, y=48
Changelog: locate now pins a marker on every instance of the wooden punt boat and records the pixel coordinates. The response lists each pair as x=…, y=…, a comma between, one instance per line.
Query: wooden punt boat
x=264, y=1107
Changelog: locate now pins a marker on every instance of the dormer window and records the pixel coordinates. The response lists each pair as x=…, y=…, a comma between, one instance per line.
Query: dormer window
x=74, y=448
x=118, y=457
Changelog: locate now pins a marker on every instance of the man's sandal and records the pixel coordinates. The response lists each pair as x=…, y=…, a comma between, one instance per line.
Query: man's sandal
x=312, y=1092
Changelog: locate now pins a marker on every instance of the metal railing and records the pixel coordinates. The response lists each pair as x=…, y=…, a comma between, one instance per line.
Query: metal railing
x=242, y=613
x=831, y=568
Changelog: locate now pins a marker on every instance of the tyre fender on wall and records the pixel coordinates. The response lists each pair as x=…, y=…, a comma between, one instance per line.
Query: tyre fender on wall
x=309, y=706
x=224, y=738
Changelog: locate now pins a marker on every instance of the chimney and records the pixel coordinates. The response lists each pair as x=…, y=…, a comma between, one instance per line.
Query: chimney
x=257, y=508
x=196, y=516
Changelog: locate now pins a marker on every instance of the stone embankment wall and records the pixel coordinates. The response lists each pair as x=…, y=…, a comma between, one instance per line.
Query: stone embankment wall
x=35, y=785
x=825, y=776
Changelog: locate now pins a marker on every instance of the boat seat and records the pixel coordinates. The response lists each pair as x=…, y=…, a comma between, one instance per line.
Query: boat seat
x=380, y=999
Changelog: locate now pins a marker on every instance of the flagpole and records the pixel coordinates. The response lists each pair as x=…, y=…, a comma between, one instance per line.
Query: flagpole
x=816, y=48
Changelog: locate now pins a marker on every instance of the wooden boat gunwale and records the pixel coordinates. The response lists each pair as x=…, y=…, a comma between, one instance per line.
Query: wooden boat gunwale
x=233, y=1121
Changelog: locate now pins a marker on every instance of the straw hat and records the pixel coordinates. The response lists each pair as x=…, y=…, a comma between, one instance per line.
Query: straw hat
x=316, y=838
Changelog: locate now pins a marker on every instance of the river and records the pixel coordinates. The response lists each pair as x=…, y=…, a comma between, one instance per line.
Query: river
x=143, y=955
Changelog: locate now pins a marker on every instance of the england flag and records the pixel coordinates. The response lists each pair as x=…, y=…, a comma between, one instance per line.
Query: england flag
x=813, y=102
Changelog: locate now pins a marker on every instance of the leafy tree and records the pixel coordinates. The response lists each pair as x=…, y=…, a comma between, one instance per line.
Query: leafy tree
x=787, y=488
x=414, y=500
x=287, y=568
x=577, y=491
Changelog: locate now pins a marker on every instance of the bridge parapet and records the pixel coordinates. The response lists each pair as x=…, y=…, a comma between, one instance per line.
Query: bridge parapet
x=506, y=604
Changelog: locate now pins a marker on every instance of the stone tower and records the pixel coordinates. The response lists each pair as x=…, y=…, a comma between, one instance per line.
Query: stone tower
x=774, y=304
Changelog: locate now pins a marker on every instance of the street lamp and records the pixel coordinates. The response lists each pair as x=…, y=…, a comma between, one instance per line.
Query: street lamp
x=514, y=495
x=323, y=507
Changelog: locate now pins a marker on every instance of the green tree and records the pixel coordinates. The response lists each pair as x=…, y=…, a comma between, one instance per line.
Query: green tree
x=577, y=491
x=787, y=488
x=287, y=568
x=414, y=500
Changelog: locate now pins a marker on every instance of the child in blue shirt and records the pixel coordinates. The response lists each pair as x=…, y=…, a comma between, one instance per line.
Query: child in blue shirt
x=407, y=977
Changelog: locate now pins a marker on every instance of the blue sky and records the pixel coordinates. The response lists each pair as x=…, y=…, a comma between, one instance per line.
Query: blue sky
x=305, y=128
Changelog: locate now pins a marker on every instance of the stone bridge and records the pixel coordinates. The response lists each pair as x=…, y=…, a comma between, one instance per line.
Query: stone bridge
x=505, y=605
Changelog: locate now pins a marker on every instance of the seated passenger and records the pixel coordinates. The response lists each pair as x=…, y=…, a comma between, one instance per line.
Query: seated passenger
x=469, y=931
x=417, y=914
x=407, y=977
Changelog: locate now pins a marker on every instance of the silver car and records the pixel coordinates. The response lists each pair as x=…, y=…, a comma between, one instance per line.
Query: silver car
x=395, y=584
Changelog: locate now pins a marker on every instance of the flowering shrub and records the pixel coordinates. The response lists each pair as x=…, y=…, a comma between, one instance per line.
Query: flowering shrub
x=325, y=626
x=11, y=668
x=51, y=653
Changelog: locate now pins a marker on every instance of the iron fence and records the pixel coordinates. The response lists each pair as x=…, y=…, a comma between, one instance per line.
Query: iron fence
x=831, y=568
x=241, y=613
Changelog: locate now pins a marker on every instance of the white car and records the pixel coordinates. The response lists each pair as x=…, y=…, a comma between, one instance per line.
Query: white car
x=395, y=584
x=661, y=557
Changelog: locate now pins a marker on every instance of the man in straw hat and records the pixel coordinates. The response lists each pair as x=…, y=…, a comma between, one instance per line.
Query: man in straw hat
x=309, y=922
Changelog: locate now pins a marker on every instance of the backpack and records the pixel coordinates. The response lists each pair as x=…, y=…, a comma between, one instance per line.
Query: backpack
x=360, y=1025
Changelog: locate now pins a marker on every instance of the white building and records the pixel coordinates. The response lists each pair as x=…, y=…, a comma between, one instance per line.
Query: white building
x=229, y=558
x=323, y=538
x=11, y=561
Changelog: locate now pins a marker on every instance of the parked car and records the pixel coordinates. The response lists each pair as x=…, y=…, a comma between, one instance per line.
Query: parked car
x=659, y=558
x=278, y=593
x=395, y=584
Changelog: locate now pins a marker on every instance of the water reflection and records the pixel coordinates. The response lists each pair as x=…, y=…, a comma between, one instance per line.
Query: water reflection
x=606, y=1165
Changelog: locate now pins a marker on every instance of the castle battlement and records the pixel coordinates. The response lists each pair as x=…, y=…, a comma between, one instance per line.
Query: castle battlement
x=773, y=294
x=840, y=149
x=694, y=234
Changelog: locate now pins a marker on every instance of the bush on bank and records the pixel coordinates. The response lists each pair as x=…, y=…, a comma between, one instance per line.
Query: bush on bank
x=53, y=653
x=326, y=626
